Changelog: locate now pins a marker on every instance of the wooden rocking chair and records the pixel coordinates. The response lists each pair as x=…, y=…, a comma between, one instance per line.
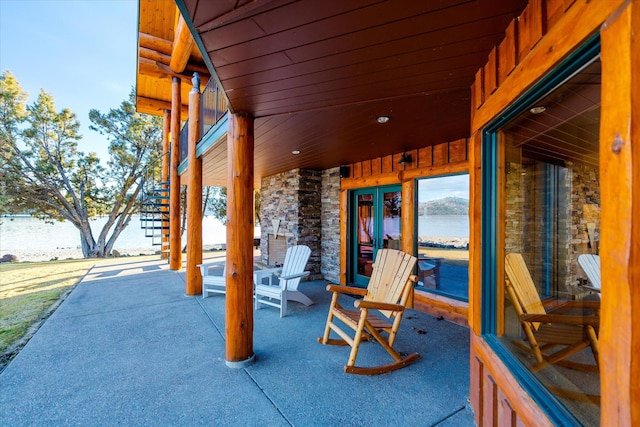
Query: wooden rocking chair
x=548, y=331
x=389, y=289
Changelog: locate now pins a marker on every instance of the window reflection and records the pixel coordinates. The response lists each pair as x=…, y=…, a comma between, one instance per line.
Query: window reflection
x=443, y=235
x=551, y=200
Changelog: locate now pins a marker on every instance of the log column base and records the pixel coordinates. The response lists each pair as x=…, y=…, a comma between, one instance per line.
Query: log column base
x=242, y=363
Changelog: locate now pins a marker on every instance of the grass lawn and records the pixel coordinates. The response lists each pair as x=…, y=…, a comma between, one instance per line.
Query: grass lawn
x=29, y=292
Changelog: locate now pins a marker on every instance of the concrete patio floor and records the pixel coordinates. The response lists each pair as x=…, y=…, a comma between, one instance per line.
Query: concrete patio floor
x=127, y=347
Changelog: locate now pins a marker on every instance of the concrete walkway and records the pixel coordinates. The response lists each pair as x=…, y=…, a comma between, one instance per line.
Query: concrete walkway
x=127, y=347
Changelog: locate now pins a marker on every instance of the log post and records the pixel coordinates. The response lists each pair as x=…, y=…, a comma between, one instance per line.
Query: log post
x=164, y=178
x=239, y=300
x=194, y=195
x=619, y=336
x=175, y=240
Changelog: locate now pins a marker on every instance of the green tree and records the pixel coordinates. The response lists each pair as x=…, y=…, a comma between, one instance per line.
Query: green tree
x=45, y=174
x=215, y=203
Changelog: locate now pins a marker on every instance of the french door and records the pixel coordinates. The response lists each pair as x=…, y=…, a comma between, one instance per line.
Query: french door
x=375, y=218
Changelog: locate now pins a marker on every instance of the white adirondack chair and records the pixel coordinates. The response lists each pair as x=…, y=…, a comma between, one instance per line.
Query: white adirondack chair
x=290, y=274
x=212, y=283
x=591, y=266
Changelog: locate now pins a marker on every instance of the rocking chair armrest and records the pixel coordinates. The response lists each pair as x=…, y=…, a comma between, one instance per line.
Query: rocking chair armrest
x=561, y=318
x=376, y=305
x=346, y=290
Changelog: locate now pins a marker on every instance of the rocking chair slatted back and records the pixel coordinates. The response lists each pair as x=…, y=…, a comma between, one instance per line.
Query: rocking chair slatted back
x=389, y=278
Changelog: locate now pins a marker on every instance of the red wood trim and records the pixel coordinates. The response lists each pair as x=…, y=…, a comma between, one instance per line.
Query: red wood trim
x=440, y=306
x=507, y=53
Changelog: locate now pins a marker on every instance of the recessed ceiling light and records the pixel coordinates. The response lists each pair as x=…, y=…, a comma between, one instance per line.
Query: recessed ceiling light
x=295, y=152
x=382, y=119
x=538, y=109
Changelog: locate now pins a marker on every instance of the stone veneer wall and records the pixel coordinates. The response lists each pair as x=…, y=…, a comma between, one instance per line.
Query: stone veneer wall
x=330, y=217
x=293, y=197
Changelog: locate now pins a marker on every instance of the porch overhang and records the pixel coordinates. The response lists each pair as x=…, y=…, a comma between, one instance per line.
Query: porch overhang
x=316, y=75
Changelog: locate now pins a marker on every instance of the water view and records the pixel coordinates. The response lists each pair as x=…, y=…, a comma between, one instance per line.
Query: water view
x=33, y=240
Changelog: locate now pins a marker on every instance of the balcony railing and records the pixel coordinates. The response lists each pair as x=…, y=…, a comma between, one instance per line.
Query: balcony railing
x=213, y=107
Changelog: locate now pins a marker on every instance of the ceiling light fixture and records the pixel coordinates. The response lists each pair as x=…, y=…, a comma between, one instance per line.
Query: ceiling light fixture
x=295, y=152
x=538, y=109
x=382, y=119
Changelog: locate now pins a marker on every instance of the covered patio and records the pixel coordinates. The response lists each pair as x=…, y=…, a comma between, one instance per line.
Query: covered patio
x=127, y=347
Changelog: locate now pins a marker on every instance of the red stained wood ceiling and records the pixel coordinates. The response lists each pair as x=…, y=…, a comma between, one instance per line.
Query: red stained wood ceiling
x=316, y=74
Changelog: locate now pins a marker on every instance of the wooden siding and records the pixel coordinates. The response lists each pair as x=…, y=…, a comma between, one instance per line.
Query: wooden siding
x=441, y=159
x=546, y=33
x=497, y=399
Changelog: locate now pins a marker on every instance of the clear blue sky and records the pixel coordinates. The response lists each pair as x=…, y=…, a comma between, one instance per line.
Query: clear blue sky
x=82, y=52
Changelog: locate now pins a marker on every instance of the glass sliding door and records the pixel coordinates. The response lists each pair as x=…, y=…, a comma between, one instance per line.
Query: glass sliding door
x=376, y=218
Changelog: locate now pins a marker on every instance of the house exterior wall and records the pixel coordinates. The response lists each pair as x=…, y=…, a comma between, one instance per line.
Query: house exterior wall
x=441, y=159
x=536, y=42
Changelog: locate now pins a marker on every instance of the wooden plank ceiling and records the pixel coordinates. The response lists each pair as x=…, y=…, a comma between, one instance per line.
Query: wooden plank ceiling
x=317, y=74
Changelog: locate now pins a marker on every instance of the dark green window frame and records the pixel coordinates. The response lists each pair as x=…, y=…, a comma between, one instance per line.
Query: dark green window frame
x=416, y=226
x=552, y=407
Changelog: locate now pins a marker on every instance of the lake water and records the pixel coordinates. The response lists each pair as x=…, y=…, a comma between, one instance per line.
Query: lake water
x=443, y=226
x=35, y=240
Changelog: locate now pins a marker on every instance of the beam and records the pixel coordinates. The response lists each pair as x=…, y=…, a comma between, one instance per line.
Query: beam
x=182, y=45
x=194, y=195
x=239, y=300
x=155, y=43
x=156, y=107
x=156, y=69
x=154, y=55
x=159, y=57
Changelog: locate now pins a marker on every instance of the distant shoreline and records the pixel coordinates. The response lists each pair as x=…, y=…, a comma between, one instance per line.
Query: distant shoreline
x=40, y=255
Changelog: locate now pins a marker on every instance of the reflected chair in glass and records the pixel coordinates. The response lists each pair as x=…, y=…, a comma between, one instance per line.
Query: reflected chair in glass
x=591, y=266
x=561, y=328
x=389, y=289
